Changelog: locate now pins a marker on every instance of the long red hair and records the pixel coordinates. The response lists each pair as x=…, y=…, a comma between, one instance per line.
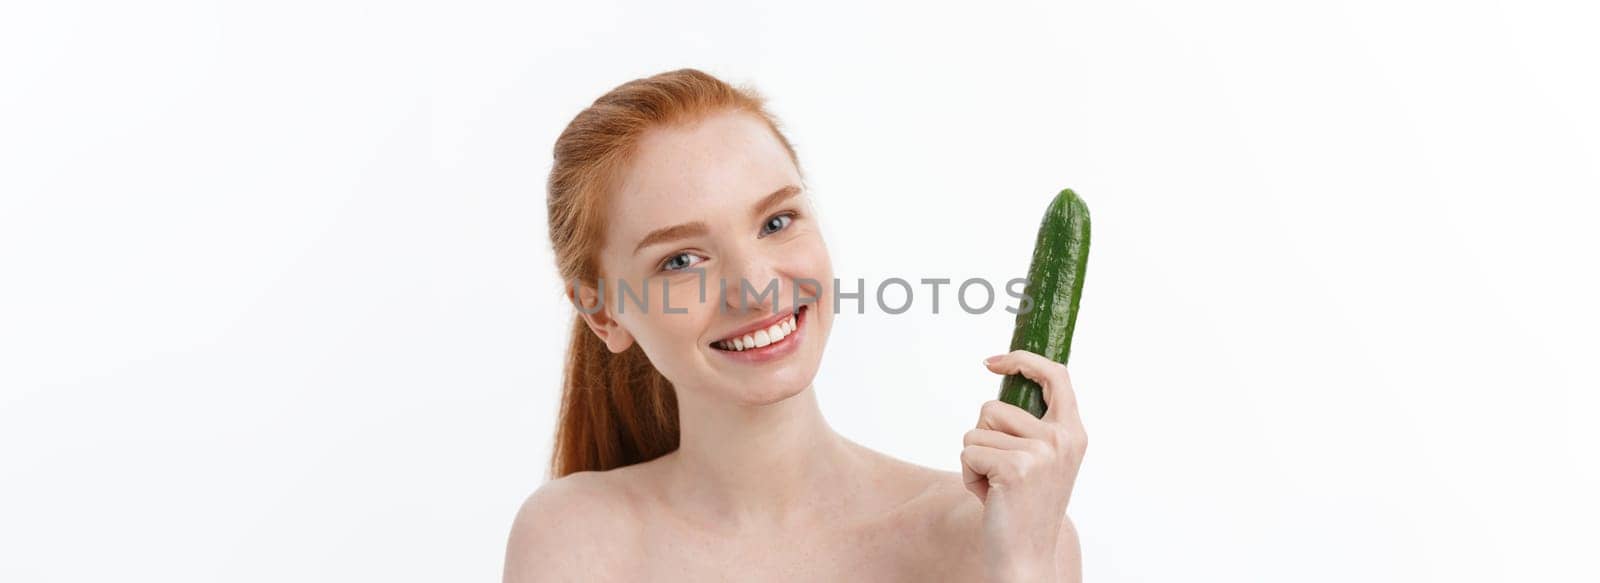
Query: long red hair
x=616, y=408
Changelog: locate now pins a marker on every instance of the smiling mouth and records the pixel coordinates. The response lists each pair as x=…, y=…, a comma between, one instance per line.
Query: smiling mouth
x=773, y=334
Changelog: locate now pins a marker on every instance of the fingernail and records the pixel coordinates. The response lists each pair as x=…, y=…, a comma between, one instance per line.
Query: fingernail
x=991, y=359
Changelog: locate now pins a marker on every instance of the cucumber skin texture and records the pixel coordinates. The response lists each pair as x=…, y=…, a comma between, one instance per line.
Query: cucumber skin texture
x=1055, y=283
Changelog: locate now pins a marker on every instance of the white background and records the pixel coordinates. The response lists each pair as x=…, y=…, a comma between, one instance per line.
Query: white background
x=278, y=302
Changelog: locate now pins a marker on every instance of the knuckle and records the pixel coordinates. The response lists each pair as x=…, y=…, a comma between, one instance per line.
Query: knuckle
x=1058, y=372
x=969, y=437
x=1022, y=467
x=992, y=408
x=1060, y=436
x=1042, y=448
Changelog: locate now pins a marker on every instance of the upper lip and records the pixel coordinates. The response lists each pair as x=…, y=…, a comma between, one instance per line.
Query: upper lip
x=762, y=324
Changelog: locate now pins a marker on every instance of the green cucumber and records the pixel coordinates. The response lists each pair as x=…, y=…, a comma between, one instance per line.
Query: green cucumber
x=1055, y=283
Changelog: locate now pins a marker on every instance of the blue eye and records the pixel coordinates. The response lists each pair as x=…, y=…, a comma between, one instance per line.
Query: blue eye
x=776, y=223
x=680, y=261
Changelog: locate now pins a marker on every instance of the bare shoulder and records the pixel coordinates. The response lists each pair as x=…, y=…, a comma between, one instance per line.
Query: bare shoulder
x=561, y=529
x=956, y=515
x=932, y=501
x=956, y=523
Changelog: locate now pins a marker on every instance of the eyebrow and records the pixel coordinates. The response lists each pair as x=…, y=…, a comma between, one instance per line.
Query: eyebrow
x=697, y=228
x=672, y=233
x=778, y=196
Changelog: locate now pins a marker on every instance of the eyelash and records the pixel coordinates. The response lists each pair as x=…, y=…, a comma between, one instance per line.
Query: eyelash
x=793, y=216
x=669, y=258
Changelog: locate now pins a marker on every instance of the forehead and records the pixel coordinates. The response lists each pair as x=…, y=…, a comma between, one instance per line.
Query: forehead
x=715, y=167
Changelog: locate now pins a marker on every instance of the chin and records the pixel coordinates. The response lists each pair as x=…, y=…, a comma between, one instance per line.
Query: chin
x=769, y=393
x=768, y=377
x=766, y=387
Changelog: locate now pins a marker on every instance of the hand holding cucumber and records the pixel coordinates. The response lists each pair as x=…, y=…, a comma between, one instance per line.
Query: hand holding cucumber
x=1022, y=459
x=1022, y=468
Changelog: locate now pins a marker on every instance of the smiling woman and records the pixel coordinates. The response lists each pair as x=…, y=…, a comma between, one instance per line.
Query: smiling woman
x=690, y=445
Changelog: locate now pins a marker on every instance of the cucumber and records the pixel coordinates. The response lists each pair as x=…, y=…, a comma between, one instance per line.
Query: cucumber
x=1055, y=283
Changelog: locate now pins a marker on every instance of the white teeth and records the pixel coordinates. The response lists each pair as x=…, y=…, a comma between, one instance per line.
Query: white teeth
x=761, y=338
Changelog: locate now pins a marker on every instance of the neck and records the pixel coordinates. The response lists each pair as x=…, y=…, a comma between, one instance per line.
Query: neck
x=771, y=464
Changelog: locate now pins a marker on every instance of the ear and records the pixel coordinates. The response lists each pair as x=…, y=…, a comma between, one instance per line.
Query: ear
x=611, y=332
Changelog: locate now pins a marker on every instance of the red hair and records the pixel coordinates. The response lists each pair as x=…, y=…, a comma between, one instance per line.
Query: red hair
x=616, y=408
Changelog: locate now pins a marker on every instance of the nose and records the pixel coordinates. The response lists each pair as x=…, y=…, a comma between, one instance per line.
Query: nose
x=752, y=283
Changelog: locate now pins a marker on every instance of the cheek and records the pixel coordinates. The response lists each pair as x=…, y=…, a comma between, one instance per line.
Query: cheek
x=672, y=323
x=810, y=260
x=813, y=262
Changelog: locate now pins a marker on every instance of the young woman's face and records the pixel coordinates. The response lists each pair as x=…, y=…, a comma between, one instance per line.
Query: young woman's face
x=718, y=204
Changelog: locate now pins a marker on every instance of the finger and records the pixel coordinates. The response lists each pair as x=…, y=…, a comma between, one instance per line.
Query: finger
x=1003, y=416
x=994, y=465
x=975, y=482
x=1060, y=401
x=996, y=439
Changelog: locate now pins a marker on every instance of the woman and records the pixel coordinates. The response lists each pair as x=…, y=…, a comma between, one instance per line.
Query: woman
x=690, y=445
